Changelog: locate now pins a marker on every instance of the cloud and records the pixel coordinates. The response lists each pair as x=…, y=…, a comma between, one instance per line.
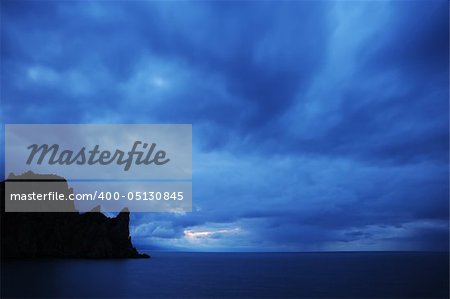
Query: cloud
x=316, y=126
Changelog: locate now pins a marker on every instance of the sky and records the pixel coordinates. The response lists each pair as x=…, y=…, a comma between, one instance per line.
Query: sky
x=317, y=126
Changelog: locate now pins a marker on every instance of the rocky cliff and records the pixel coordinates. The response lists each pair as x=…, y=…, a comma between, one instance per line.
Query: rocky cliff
x=64, y=235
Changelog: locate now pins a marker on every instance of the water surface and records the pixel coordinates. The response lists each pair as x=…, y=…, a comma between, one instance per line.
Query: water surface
x=233, y=275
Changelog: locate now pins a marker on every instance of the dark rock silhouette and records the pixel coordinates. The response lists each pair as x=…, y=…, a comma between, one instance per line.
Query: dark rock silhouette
x=64, y=234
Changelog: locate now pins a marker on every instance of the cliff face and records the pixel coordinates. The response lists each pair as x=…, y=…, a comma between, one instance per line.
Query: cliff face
x=65, y=235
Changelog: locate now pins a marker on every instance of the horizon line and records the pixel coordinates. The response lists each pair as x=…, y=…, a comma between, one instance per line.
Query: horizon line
x=323, y=251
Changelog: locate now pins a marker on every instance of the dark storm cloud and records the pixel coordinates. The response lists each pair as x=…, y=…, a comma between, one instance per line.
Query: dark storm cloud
x=317, y=125
x=413, y=46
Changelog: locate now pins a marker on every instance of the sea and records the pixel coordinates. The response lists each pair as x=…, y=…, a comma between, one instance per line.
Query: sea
x=233, y=275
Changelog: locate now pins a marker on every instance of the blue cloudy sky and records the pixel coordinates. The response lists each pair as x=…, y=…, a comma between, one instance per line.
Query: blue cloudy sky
x=316, y=125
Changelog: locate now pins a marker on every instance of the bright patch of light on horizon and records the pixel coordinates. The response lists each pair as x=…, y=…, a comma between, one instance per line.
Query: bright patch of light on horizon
x=205, y=234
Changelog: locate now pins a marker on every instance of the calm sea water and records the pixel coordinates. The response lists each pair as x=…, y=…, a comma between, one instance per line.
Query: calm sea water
x=234, y=275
